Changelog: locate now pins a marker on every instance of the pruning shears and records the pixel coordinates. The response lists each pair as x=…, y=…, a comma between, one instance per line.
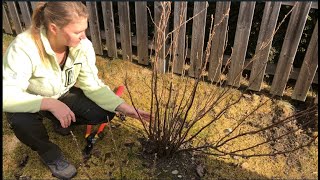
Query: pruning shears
x=92, y=137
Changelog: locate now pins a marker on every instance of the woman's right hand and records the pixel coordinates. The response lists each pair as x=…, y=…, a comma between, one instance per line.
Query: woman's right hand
x=60, y=110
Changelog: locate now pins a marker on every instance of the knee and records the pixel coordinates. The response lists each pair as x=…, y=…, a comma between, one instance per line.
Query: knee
x=21, y=120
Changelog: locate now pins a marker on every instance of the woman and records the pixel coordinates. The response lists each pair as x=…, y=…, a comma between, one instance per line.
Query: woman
x=50, y=69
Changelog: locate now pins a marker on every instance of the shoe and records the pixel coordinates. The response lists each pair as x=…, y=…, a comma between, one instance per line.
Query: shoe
x=61, y=169
x=60, y=130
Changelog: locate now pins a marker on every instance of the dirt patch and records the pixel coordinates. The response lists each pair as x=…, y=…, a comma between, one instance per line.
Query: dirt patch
x=183, y=165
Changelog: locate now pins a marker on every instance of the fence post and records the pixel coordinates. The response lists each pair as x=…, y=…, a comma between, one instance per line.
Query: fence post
x=110, y=33
x=289, y=48
x=218, y=40
x=160, y=46
x=308, y=69
x=25, y=13
x=94, y=27
x=197, y=43
x=240, y=43
x=180, y=15
x=267, y=30
x=142, y=32
x=5, y=20
x=15, y=17
x=125, y=30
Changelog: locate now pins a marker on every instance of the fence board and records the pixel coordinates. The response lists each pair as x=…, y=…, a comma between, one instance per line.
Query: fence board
x=267, y=29
x=159, y=47
x=218, y=40
x=5, y=21
x=94, y=27
x=33, y=5
x=125, y=30
x=289, y=47
x=314, y=4
x=240, y=43
x=142, y=31
x=25, y=13
x=180, y=15
x=197, y=42
x=308, y=69
x=110, y=33
x=14, y=17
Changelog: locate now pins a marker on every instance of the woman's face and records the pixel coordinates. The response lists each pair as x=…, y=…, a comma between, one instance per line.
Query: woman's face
x=71, y=34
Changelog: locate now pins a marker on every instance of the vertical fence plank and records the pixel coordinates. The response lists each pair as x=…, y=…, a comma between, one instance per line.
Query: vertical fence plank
x=14, y=16
x=25, y=13
x=125, y=30
x=180, y=16
x=142, y=31
x=110, y=33
x=94, y=27
x=240, y=43
x=5, y=21
x=308, y=69
x=159, y=47
x=197, y=42
x=33, y=5
x=218, y=40
x=267, y=29
x=289, y=48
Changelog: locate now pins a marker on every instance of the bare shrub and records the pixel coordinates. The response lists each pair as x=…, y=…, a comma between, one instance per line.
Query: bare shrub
x=186, y=113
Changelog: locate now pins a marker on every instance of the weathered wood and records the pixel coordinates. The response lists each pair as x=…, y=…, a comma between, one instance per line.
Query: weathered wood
x=308, y=69
x=110, y=33
x=289, y=48
x=160, y=43
x=267, y=30
x=316, y=99
x=125, y=30
x=14, y=16
x=142, y=31
x=180, y=15
x=197, y=42
x=314, y=4
x=33, y=5
x=270, y=69
x=94, y=27
x=5, y=21
x=218, y=40
x=25, y=13
x=240, y=43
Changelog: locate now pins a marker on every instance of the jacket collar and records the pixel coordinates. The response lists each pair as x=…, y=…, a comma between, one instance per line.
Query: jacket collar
x=45, y=41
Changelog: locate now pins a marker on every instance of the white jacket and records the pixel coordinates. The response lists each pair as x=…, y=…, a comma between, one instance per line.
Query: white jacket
x=26, y=80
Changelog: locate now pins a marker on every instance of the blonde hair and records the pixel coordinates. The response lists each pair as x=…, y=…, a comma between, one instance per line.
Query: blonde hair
x=60, y=13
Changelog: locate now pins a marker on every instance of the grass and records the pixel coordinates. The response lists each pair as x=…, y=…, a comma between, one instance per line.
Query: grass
x=112, y=158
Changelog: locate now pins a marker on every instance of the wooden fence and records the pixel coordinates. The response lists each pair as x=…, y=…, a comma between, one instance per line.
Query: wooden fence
x=17, y=18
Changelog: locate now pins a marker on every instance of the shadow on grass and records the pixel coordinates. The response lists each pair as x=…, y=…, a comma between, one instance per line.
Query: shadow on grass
x=112, y=161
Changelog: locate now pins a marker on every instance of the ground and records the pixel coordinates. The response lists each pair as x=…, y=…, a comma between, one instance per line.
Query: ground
x=120, y=155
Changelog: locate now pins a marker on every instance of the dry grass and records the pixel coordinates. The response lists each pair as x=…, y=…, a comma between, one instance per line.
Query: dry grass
x=113, y=159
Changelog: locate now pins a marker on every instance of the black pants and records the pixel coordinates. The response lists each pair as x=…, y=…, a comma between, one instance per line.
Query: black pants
x=29, y=129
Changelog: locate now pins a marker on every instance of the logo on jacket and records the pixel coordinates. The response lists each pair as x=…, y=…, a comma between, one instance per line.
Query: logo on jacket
x=69, y=77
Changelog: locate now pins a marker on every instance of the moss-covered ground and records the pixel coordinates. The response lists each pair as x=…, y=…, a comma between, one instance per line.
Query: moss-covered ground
x=118, y=155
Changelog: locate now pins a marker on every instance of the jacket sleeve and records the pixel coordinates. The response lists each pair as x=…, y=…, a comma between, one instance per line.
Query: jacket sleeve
x=91, y=84
x=17, y=70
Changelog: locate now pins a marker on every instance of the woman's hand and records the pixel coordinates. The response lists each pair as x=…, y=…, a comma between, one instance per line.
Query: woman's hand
x=128, y=110
x=60, y=110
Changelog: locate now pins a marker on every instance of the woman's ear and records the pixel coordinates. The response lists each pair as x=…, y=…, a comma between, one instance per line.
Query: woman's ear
x=53, y=28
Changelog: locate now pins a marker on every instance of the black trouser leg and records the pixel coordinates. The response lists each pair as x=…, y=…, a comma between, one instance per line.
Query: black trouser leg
x=29, y=129
x=85, y=110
